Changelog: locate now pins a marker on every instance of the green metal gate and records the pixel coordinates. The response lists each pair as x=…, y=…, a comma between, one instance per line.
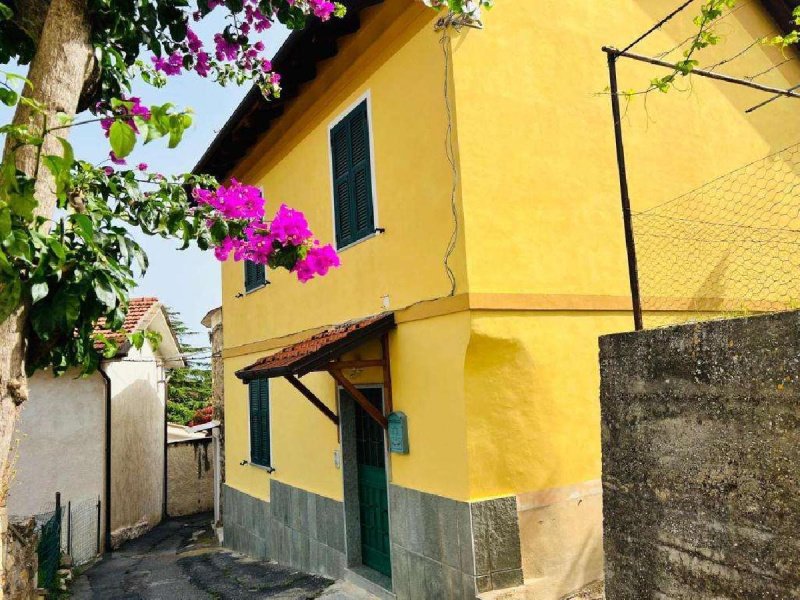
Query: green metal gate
x=49, y=549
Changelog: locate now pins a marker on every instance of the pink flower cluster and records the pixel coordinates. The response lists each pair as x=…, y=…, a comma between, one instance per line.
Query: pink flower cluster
x=322, y=8
x=174, y=63
x=261, y=239
x=236, y=201
x=318, y=261
x=235, y=56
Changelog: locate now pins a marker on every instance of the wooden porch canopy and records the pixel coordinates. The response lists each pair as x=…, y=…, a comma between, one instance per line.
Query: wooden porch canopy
x=323, y=352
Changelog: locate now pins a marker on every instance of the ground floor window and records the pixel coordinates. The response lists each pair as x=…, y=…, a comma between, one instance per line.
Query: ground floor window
x=260, y=453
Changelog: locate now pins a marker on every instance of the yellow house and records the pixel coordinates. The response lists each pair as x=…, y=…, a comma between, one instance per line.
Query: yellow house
x=425, y=419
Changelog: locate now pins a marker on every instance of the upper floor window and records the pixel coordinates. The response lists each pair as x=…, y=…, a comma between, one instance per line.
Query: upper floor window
x=352, y=177
x=255, y=275
x=260, y=448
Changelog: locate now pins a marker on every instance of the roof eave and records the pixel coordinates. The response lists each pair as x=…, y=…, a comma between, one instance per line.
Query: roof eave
x=296, y=61
x=319, y=359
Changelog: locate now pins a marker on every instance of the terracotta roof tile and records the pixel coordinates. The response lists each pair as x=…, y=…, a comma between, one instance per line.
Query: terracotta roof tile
x=137, y=308
x=303, y=356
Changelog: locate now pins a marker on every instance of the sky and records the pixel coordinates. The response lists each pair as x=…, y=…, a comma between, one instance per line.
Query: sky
x=189, y=280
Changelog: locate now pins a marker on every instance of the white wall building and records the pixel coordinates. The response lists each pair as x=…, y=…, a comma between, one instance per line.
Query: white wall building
x=67, y=445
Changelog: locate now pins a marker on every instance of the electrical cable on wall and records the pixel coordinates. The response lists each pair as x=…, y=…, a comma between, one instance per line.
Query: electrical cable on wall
x=450, y=152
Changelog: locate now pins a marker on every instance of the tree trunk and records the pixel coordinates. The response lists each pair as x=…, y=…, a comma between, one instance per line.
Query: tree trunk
x=57, y=74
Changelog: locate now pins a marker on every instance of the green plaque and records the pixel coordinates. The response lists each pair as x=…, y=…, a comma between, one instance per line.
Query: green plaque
x=398, y=433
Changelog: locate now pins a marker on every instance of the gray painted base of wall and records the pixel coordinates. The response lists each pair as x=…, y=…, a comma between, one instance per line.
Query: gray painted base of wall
x=441, y=548
x=297, y=528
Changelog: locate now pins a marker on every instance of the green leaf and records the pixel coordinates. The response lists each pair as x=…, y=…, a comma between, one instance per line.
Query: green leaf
x=122, y=138
x=83, y=225
x=5, y=223
x=5, y=12
x=105, y=294
x=110, y=347
x=23, y=203
x=38, y=291
x=57, y=248
x=7, y=96
x=137, y=339
x=153, y=339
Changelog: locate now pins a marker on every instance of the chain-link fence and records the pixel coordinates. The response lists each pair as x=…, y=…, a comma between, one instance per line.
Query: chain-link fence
x=71, y=528
x=80, y=529
x=728, y=248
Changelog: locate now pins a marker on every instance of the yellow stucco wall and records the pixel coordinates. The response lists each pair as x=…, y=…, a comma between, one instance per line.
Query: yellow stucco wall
x=402, y=73
x=503, y=400
x=541, y=204
x=402, y=76
x=427, y=358
x=537, y=150
x=533, y=414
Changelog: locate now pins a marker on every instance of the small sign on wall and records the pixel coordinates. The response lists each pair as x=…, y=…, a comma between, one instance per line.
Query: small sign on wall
x=398, y=433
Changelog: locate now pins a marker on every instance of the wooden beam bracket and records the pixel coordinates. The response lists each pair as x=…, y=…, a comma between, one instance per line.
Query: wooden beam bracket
x=319, y=404
x=359, y=397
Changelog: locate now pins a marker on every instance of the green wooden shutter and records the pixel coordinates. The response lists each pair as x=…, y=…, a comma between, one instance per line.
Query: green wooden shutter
x=263, y=397
x=255, y=423
x=259, y=422
x=352, y=177
x=340, y=147
x=255, y=275
x=361, y=174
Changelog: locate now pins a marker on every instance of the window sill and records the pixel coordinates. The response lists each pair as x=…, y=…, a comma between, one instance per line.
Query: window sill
x=357, y=242
x=269, y=470
x=255, y=289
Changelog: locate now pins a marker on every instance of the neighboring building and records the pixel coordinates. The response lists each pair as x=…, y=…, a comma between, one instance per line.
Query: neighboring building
x=497, y=376
x=64, y=437
x=213, y=322
x=191, y=464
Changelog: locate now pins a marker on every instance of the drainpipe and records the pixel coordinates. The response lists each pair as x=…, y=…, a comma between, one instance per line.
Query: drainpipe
x=165, y=379
x=217, y=477
x=107, y=465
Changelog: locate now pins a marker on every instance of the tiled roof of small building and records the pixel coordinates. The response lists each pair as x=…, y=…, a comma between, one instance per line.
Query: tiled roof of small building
x=137, y=309
x=315, y=351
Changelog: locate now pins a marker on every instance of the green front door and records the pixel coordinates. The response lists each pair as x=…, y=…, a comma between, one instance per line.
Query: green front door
x=372, y=493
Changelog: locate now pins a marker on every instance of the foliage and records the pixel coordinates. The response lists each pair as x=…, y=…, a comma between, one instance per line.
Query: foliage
x=77, y=267
x=189, y=388
x=710, y=13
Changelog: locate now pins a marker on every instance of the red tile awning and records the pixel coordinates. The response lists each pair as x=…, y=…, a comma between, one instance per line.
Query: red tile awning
x=318, y=351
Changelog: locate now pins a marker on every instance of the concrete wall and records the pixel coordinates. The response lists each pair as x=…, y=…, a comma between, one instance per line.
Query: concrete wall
x=137, y=443
x=701, y=442
x=61, y=434
x=190, y=477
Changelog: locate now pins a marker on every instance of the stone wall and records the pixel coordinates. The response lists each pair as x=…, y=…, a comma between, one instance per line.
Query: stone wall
x=443, y=548
x=296, y=528
x=701, y=444
x=20, y=562
x=190, y=477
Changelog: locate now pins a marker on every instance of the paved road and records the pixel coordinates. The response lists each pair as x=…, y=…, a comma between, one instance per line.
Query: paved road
x=180, y=560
